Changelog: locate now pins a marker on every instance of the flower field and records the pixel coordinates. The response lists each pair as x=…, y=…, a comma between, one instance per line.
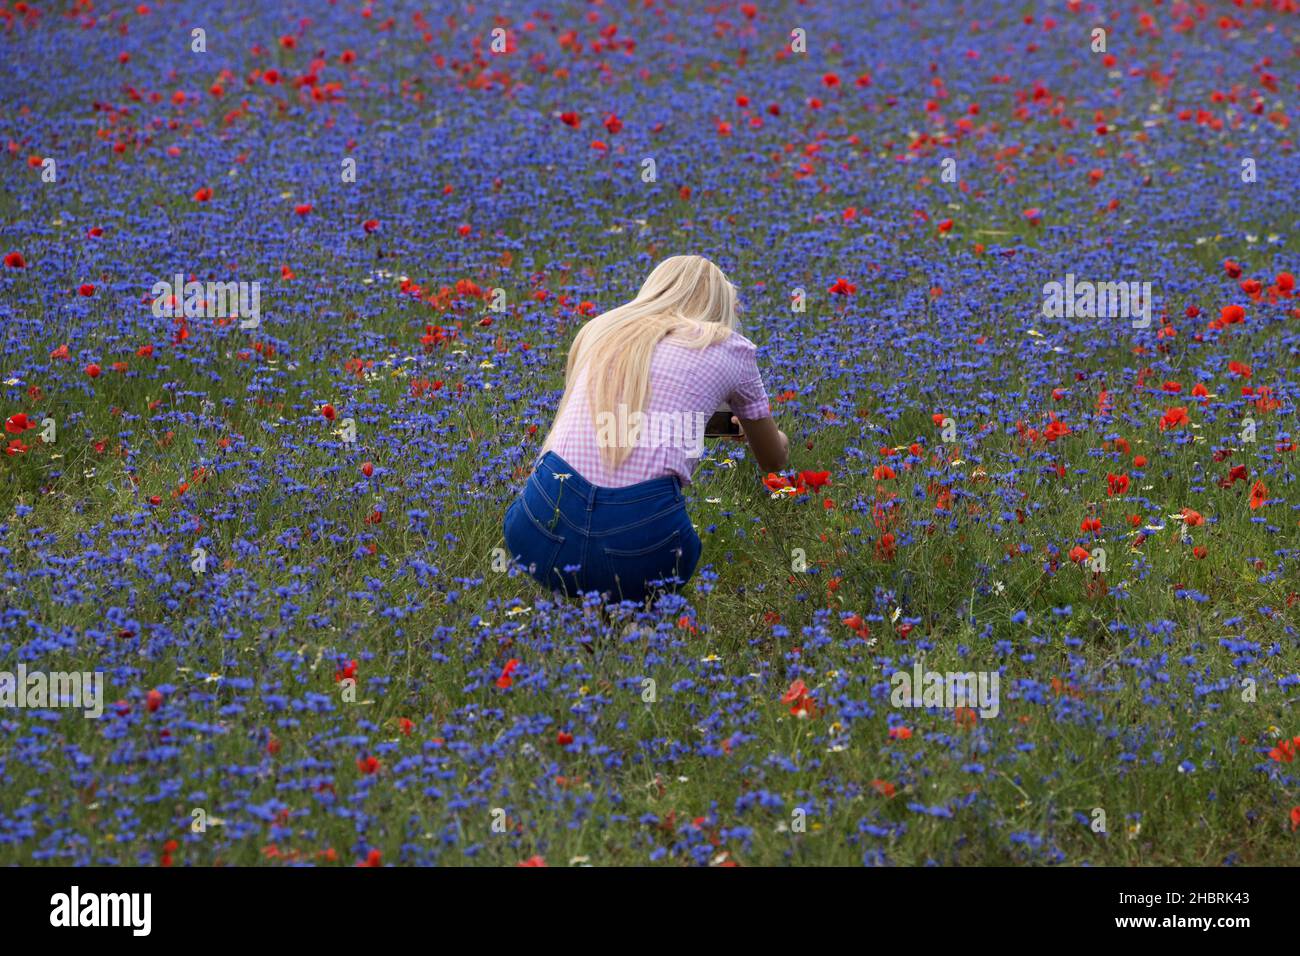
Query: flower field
x=286, y=299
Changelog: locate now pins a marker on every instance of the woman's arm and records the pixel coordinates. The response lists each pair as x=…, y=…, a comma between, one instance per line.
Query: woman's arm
x=769, y=444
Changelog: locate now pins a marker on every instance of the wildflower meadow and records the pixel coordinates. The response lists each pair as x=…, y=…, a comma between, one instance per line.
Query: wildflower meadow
x=286, y=298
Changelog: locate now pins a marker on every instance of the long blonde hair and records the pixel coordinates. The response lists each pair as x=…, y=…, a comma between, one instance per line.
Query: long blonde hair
x=685, y=296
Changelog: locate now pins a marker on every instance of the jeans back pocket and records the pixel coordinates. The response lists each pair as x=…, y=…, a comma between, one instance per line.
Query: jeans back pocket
x=534, y=545
x=636, y=571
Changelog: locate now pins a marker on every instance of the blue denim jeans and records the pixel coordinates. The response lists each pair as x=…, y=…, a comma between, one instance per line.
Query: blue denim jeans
x=574, y=537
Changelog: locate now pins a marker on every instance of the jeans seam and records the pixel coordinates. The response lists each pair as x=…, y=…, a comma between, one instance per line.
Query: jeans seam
x=580, y=529
x=642, y=552
x=632, y=501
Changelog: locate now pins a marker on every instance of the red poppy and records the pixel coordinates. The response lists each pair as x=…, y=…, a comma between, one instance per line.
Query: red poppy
x=815, y=479
x=885, y=546
x=328, y=411
x=203, y=194
x=1054, y=430
x=153, y=700
x=842, y=286
x=796, y=690
x=1235, y=474
x=1258, y=495
x=348, y=671
x=505, y=680
x=92, y=370
x=776, y=482
x=86, y=289
x=15, y=260
x=804, y=707
x=17, y=424
x=303, y=208
x=1173, y=417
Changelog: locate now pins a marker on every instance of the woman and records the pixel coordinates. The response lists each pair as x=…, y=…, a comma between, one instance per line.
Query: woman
x=603, y=509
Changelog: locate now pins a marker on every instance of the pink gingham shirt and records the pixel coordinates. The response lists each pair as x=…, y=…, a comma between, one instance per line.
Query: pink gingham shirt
x=686, y=386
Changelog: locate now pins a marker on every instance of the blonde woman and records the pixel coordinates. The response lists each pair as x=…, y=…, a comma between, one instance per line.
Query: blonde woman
x=603, y=509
